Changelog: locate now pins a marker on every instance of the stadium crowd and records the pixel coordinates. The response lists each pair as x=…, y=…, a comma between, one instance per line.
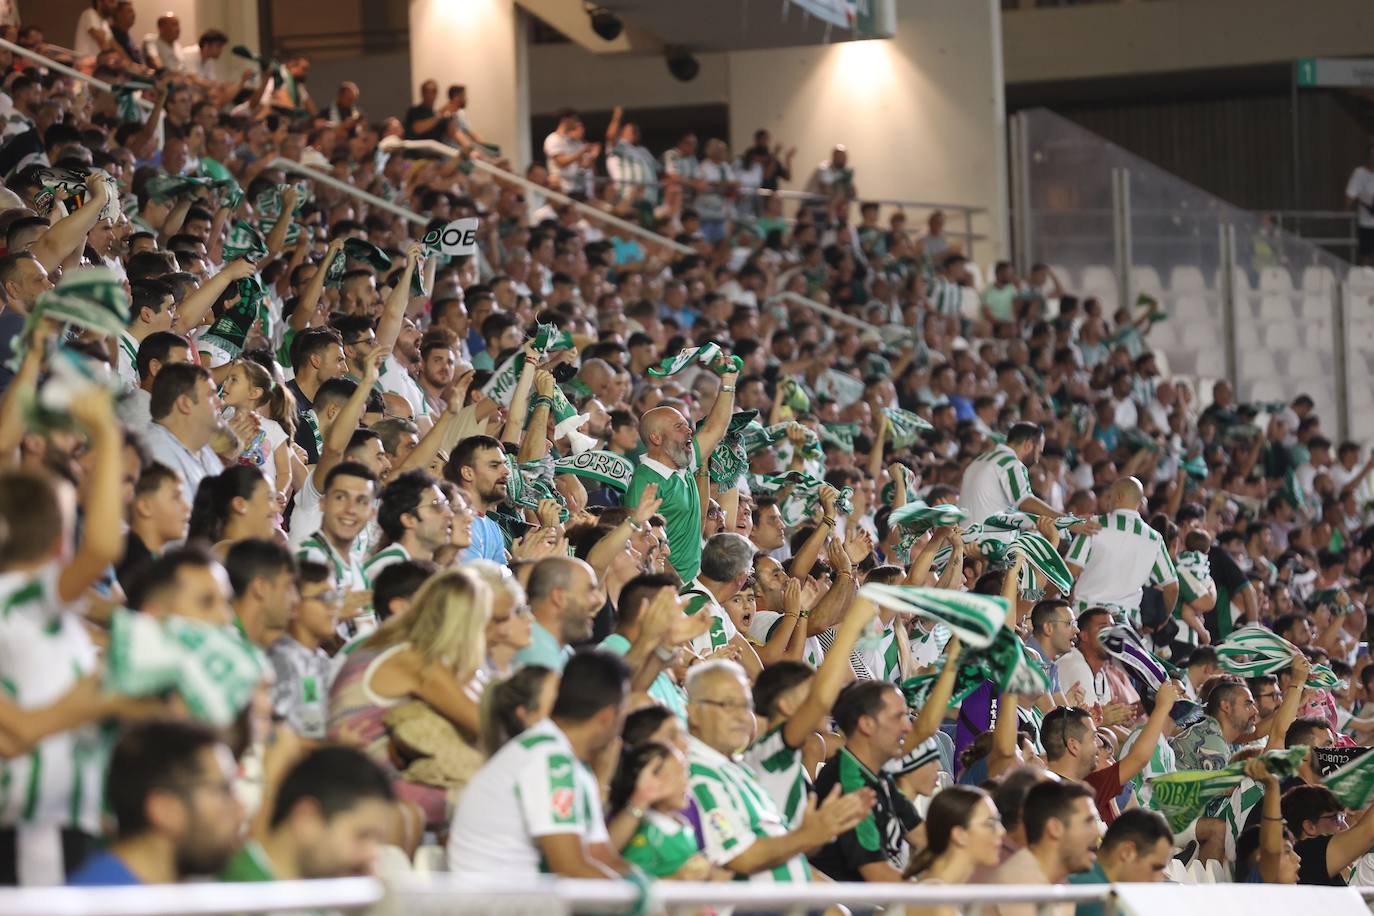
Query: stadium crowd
x=587, y=556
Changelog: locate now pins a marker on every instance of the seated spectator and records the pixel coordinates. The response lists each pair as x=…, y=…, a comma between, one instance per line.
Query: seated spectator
x=1061, y=836
x=1135, y=850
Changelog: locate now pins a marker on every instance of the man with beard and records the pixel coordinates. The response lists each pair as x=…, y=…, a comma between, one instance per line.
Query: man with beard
x=437, y=362
x=171, y=792
x=396, y=378
x=478, y=466
x=327, y=821
x=1208, y=745
x=564, y=598
x=673, y=451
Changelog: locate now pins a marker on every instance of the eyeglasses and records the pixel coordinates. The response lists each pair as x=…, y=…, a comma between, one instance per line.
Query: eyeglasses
x=746, y=706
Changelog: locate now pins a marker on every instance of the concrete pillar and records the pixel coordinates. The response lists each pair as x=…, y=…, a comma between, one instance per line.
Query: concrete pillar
x=482, y=45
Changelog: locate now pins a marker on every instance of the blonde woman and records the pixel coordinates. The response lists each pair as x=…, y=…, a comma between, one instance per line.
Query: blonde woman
x=413, y=681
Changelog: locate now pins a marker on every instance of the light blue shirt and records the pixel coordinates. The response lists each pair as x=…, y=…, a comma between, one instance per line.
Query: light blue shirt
x=663, y=689
x=544, y=649
x=488, y=543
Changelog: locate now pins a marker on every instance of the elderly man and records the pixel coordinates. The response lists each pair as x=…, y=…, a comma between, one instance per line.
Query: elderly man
x=674, y=451
x=1114, y=565
x=742, y=827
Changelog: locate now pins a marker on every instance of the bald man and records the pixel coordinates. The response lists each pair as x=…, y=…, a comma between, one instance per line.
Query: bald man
x=673, y=452
x=564, y=598
x=1113, y=565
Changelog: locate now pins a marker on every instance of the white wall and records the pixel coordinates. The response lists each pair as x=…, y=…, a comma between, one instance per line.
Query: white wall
x=922, y=114
x=1111, y=39
x=476, y=43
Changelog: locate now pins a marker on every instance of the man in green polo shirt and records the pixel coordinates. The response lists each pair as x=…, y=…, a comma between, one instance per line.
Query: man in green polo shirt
x=327, y=821
x=673, y=452
x=1135, y=850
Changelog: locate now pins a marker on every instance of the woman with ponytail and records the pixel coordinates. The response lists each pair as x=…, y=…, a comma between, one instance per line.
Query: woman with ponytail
x=250, y=387
x=233, y=506
x=963, y=833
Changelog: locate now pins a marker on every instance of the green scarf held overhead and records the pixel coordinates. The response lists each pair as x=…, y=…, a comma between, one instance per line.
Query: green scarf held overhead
x=708, y=355
x=548, y=338
x=904, y=428
x=214, y=669
x=501, y=386
x=1195, y=467
x=354, y=249
x=1353, y=783
x=1043, y=563
x=1006, y=662
x=244, y=242
x=975, y=619
x=607, y=468
x=889, y=491
x=90, y=298
x=804, y=486
x=268, y=207
x=794, y=396
x=231, y=329
x=840, y=435
x=919, y=517
x=729, y=460
x=126, y=99
x=1182, y=797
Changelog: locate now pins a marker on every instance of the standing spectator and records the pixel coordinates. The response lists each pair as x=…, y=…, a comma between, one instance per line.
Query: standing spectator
x=160, y=48
x=344, y=109
x=1113, y=566
x=201, y=58
x=681, y=165
x=567, y=154
x=715, y=203
x=1101, y=678
x=93, y=29
x=185, y=414
x=998, y=480
x=422, y=121
x=1359, y=196
x=833, y=180
x=171, y=792
x=121, y=28
x=536, y=804
x=630, y=165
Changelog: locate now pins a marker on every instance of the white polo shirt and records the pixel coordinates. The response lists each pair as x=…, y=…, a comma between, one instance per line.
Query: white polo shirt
x=1119, y=561
x=995, y=481
x=533, y=787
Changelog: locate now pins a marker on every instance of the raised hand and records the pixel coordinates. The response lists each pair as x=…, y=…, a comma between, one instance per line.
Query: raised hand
x=649, y=503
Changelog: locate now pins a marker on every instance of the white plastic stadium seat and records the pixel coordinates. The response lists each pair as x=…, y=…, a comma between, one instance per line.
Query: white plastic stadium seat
x=1186, y=280
x=1306, y=363
x=1275, y=308
x=1239, y=279
x=1267, y=389
x=1198, y=336
x=1146, y=280
x=1098, y=280
x=1315, y=306
x=1256, y=364
x=1318, y=279
x=1247, y=337
x=1191, y=308
x=1281, y=335
x=1066, y=276
x=1276, y=279
x=1316, y=335
x=975, y=275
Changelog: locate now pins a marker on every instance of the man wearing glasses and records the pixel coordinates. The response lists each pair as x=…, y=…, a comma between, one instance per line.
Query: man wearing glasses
x=1053, y=630
x=416, y=520
x=743, y=829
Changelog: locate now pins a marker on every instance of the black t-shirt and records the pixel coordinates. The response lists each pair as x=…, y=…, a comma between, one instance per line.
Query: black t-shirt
x=1313, y=867
x=880, y=837
x=420, y=113
x=1229, y=581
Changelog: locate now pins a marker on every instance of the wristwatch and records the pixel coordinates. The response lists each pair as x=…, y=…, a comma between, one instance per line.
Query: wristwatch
x=729, y=388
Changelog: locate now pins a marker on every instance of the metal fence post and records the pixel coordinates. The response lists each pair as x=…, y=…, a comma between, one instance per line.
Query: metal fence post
x=1341, y=352
x=1228, y=301
x=1021, y=193
x=1121, y=234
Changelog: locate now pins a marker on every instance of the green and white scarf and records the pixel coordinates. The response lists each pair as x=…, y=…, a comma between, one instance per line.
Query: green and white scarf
x=975, y=619
x=607, y=468
x=904, y=428
x=840, y=435
x=1182, y=797
x=705, y=355
x=1043, y=563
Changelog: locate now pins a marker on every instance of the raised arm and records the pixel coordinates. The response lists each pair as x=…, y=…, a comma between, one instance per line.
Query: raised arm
x=310, y=299
x=102, y=538
x=718, y=420
x=1144, y=748
x=1292, y=702
x=192, y=309
x=389, y=327
x=535, y=444
x=441, y=433
x=350, y=415
x=276, y=239
x=834, y=673
x=68, y=234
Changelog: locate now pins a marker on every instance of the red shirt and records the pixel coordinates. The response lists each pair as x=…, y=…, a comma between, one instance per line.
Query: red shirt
x=1106, y=786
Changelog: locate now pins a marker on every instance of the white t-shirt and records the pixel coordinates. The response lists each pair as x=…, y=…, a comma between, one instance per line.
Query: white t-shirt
x=396, y=380
x=533, y=787
x=762, y=625
x=995, y=481
x=1360, y=187
x=556, y=144
x=44, y=651
x=308, y=514
x=1119, y=561
x=83, y=44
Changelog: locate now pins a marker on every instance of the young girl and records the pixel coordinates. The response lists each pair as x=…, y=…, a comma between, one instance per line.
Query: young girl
x=249, y=387
x=664, y=845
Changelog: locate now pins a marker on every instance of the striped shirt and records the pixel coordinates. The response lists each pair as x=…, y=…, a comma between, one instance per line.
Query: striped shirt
x=688, y=168
x=779, y=770
x=700, y=600
x=736, y=812
x=347, y=573
x=633, y=168
x=946, y=297
x=995, y=481
x=391, y=554
x=44, y=651
x=1119, y=561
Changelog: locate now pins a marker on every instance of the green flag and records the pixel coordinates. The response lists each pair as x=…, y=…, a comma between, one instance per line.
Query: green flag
x=1043, y=563
x=1182, y=797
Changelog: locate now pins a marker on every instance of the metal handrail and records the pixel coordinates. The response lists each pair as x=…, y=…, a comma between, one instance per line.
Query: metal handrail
x=64, y=69
x=290, y=165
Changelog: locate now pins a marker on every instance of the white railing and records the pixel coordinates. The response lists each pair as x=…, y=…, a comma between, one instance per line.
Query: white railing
x=63, y=69
x=450, y=894
x=289, y=165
